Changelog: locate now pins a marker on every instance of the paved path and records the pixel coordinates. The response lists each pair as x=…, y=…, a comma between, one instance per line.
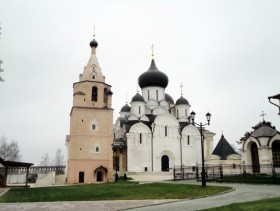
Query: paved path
x=241, y=193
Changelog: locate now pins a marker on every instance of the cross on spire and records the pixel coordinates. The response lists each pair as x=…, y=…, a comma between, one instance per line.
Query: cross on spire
x=263, y=114
x=152, y=50
x=94, y=31
x=181, y=86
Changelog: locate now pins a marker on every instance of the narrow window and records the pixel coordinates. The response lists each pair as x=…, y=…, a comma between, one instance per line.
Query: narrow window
x=233, y=166
x=165, y=130
x=148, y=94
x=139, y=110
x=157, y=95
x=97, y=149
x=94, y=94
x=93, y=127
x=186, y=113
x=177, y=113
x=140, y=138
x=188, y=139
x=105, y=95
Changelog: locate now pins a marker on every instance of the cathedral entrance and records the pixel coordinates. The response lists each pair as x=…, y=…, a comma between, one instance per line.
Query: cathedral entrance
x=164, y=163
x=276, y=153
x=255, y=158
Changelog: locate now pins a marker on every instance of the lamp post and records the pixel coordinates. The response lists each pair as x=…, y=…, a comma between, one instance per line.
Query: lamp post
x=208, y=117
x=277, y=97
x=115, y=149
x=181, y=158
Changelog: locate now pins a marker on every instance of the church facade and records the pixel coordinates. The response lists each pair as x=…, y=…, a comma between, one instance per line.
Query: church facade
x=154, y=133
x=261, y=148
x=91, y=126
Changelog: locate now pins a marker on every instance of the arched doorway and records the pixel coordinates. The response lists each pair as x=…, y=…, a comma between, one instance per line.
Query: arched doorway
x=276, y=153
x=255, y=158
x=99, y=176
x=164, y=163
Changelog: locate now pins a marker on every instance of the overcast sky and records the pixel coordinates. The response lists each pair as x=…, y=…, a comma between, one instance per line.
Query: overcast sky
x=225, y=53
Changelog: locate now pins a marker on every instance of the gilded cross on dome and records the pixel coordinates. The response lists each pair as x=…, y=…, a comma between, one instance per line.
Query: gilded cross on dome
x=181, y=86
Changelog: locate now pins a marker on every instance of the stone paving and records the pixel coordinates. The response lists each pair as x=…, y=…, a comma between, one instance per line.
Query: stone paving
x=241, y=193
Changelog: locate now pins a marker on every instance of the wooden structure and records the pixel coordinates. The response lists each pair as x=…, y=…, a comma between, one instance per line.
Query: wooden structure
x=12, y=164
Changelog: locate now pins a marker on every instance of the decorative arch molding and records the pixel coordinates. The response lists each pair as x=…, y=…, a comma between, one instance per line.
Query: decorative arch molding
x=168, y=153
x=191, y=130
x=272, y=139
x=249, y=140
x=100, y=173
x=139, y=128
x=100, y=168
x=163, y=118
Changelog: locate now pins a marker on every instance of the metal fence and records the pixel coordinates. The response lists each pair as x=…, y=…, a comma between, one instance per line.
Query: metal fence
x=230, y=173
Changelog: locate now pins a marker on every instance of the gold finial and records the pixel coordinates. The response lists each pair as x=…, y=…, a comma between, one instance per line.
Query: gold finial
x=94, y=31
x=181, y=89
x=263, y=114
x=152, y=51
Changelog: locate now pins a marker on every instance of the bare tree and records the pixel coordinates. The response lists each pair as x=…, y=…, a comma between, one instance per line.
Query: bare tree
x=59, y=158
x=45, y=160
x=9, y=151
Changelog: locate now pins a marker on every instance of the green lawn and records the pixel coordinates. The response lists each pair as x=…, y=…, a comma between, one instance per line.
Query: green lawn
x=261, y=205
x=109, y=191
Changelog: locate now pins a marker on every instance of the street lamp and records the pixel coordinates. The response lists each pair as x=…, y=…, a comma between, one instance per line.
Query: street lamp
x=277, y=97
x=208, y=117
x=115, y=149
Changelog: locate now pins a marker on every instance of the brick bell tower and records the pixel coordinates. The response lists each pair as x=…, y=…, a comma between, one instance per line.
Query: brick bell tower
x=91, y=126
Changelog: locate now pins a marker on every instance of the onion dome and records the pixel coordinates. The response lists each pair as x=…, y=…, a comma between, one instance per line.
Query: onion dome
x=169, y=99
x=182, y=101
x=125, y=108
x=137, y=98
x=93, y=43
x=153, y=77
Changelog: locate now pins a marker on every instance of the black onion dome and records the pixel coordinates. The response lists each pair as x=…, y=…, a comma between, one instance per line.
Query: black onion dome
x=93, y=43
x=182, y=101
x=153, y=77
x=137, y=98
x=168, y=98
x=125, y=108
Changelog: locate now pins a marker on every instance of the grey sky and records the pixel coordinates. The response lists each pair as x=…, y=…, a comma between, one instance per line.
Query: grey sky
x=226, y=54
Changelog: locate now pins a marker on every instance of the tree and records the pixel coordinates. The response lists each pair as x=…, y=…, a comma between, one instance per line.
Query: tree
x=9, y=151
x=45, y=160
x=59, y=158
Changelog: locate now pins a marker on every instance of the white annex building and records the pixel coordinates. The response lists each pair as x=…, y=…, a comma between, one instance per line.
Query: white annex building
x=153, y=133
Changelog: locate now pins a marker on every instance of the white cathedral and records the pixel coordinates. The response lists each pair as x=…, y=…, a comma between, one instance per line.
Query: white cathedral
x=154, y=134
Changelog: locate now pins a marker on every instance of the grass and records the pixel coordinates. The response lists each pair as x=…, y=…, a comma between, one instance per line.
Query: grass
x=109, y=191
x=261, y=205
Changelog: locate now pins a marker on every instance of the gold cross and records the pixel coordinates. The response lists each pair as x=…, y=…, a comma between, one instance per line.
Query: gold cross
x=152, y=50
x=181, y=89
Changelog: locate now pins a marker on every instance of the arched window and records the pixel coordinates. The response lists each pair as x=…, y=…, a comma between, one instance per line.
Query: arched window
x=94, y=94
x=276, y=153
x=148, y=94
x=139, y=110
x=165, y=130
x=105, y=95
x=188, y=139
x=140, y=138
x=157, y=95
